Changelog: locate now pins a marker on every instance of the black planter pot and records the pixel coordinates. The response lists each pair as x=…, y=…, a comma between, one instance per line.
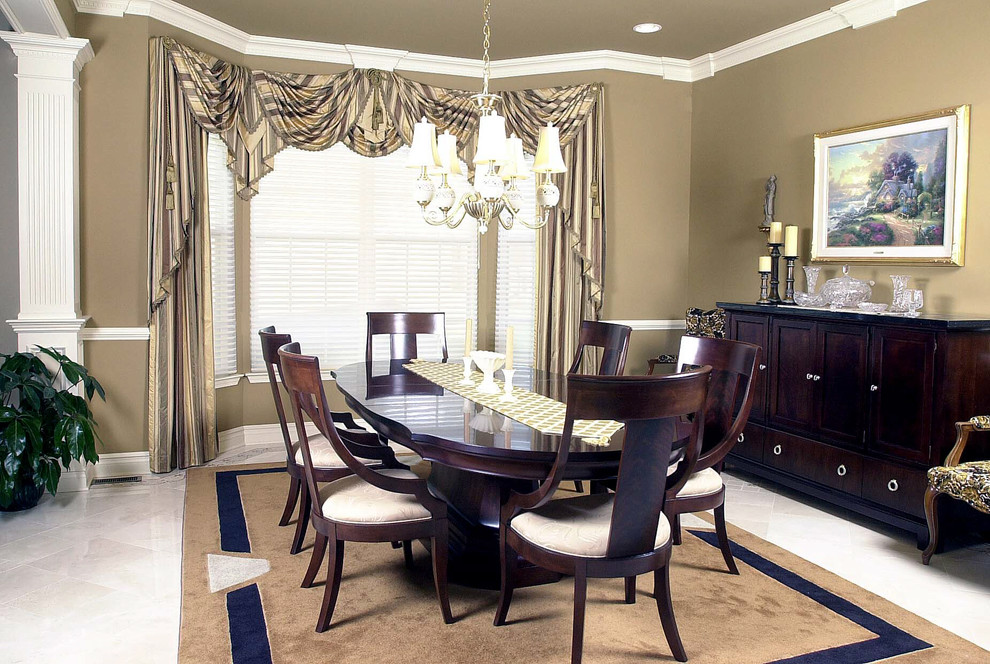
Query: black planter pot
x=26, y=496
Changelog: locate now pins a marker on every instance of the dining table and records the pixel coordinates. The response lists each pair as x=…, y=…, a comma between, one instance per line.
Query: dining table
x=477, y=455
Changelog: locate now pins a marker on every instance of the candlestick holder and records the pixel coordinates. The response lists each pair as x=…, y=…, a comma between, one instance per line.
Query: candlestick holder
x=774, y=295
x=789, y=289
x=764, y=278
x=507, y=375
x=466, y=380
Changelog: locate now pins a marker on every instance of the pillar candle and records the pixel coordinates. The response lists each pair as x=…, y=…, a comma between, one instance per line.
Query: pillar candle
x=764, y=263
x=467, y=337
x=775, y=231
x=509, y=332
x=790, y=241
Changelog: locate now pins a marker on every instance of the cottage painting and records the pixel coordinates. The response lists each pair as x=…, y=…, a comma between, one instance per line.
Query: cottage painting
x=889, y=191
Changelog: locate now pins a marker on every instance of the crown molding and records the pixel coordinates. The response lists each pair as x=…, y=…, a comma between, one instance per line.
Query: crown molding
x=8, y=12
x=851, y=14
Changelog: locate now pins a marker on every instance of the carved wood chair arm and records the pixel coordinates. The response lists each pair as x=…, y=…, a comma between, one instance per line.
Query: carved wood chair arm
x=978, y=424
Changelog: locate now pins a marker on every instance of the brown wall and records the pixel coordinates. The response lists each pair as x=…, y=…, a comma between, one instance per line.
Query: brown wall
x=647, y=193
x=759, y=118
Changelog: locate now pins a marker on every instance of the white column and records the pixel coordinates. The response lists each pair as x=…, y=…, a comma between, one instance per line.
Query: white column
x=48, y=198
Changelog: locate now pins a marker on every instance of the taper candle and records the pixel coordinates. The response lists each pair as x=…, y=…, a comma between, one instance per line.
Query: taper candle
x=776, y=229
x=509, y=333
x=764, y=264
x=790, y=241
x=467, y=337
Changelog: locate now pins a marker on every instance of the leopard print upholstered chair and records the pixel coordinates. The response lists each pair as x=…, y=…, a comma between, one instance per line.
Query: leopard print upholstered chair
x=968, y=481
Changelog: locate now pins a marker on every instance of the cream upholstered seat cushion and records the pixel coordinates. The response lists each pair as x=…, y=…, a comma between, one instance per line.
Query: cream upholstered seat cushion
x=576, y=526
x=702, y=483
x=353, y=500
x=323, y=454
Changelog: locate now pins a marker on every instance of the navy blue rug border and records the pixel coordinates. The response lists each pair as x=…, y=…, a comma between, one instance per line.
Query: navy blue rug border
x=890, y=642
x=248, y=630
x=230, y=510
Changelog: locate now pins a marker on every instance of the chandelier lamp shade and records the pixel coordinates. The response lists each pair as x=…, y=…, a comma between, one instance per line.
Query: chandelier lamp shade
x=499, y=164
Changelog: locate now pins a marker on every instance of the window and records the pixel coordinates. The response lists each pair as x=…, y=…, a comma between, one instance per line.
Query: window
x=221, y=186
x=515, y=281
x=334, y=235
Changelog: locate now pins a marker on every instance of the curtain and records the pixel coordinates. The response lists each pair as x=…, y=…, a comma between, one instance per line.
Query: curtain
x=259, y=113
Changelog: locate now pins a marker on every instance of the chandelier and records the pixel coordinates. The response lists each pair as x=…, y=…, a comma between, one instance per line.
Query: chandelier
x=499, y=165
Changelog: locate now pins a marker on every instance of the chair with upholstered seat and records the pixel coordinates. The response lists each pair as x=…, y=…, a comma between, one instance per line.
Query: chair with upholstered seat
x=967, y=481
x=697, y=323
x=612, y=339
x=402, y=328
x=372, y=505
x=730, y=399
x=608, y=535
x=328, y=466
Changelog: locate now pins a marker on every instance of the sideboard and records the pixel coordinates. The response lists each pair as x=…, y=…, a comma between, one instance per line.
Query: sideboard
x=853, y=408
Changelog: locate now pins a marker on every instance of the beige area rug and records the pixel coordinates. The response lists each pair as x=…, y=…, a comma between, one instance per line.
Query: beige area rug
x=241, y=602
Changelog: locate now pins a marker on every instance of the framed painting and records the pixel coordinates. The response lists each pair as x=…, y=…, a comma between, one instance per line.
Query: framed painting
x=893, y=191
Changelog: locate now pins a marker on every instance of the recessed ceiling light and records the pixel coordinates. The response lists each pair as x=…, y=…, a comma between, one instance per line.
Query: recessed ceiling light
x=646, y=28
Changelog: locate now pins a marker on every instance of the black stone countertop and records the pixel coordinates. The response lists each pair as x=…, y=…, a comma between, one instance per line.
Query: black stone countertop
x=926, y=321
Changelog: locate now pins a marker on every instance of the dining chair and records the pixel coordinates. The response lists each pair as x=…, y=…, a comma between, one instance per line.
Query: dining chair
x=613, y=339
x=697, y=323
x=402, y=328
x=608, y=535
x=327, y=465
x=371, y=505
x=967, y=481
x=730, y=398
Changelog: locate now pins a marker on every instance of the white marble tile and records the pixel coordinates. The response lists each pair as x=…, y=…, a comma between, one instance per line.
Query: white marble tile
x=65, y=601
x=24, y=579
x=32, y=548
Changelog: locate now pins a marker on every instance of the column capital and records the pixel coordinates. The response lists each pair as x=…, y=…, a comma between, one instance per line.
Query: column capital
x=50, y=53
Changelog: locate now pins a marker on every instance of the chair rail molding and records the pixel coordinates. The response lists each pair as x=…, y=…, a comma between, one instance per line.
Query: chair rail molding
x=642, y=324
x=851, y=14
x=115, y=334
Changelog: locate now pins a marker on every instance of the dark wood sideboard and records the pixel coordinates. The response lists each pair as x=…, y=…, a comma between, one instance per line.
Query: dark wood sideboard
x=853, y=408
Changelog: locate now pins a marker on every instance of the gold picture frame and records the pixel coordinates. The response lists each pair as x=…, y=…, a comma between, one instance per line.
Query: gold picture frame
x=894, y=191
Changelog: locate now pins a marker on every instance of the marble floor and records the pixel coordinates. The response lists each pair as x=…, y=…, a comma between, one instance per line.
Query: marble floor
x=94, y=576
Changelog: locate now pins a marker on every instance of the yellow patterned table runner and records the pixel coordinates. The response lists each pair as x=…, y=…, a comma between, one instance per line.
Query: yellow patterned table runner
x=534, y=410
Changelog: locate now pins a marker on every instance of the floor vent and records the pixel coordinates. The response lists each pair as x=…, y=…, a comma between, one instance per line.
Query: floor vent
x=130, y=479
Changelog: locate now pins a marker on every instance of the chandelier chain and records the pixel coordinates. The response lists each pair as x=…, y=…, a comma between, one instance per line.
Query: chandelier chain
x=487, y=33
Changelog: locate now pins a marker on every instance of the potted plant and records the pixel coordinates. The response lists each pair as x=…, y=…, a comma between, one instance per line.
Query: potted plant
x=42, y=422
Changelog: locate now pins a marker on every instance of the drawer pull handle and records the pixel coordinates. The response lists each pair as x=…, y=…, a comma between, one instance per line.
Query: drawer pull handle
x=817, y=378
x=763, y=367
x=874, y=388
x=809, y=376
x=892, y=485
x=741, y=438
x=777, y=450
x=841, y=470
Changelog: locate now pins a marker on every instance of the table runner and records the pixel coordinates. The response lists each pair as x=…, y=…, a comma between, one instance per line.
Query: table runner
x=536, y=411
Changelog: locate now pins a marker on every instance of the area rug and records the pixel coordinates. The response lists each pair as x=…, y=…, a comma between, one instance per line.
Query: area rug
x=241, y=602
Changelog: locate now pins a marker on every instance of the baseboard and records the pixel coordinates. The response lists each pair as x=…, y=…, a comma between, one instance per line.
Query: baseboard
x=76, y=477
x=255, y=435
x=123, y=464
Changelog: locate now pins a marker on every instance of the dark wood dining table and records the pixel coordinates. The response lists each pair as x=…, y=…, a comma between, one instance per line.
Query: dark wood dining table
x=477, y=456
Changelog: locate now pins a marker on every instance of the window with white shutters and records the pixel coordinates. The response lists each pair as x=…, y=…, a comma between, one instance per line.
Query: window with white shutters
x=221, y=186
x=335, y=235
x=515, y=297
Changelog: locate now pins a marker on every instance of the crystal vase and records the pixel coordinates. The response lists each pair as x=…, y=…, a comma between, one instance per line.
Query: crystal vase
x=899, y=301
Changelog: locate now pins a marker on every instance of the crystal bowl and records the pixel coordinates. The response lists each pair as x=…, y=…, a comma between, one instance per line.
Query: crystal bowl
x=873, y=307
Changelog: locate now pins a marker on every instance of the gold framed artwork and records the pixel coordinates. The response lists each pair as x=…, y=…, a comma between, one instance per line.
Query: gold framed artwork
x=893, y=192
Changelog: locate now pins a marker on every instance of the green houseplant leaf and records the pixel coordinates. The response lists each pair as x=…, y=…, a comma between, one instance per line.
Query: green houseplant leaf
x=45, y=421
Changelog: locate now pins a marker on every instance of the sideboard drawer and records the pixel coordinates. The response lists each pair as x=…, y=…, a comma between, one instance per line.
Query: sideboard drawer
x=749, y=445
x=824, y=464
x=897, y=487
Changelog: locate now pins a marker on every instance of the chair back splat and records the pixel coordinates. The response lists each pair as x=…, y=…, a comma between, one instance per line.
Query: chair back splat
x=730, y=395
x=402, y=327
x=611, y=338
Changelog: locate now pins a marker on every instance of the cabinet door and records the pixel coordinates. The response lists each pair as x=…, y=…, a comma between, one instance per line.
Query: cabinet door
x=901, y=390
x=754, y=330
x=792, y=369
x=841, y=381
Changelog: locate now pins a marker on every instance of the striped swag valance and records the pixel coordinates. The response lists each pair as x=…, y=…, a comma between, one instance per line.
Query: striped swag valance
x=257, y=114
